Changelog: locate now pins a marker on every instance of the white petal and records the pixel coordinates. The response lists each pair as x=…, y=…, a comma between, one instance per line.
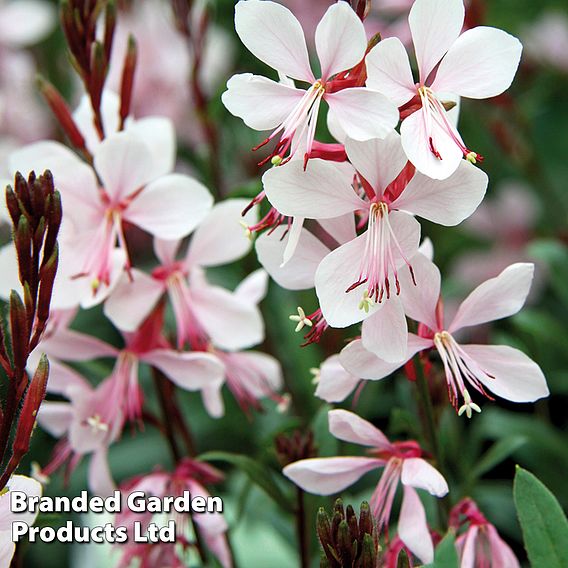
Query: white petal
x=299, y=272
x=273, y=34
x=363, y=113
x=388, y=71
x=132, y=300
x=265, y=366
x=212, y=397
x=100, y=479
x=166, y=250
x=349, y=427
x=420, y=300
x=220, y=238
x=254, y=287
x=295, y=232
x=73, y=345
x=435, y=26
x=9, y=270
x=497, y=298
x=25, y=22
x=323, y=190
x=55, y=417
x=340, y=40
x=124, y=164
x=385, y=333
x=413, y=527
x=378, y=161
x=342, y=228
x=516, y=376
x=31, y=488
x=170, y=207
x=261, y=103
x=362, y=363
x=325, y=476
x=416, y=144
x=419, y=474
x=482, y=63
x=335, y=383
x=447, y=202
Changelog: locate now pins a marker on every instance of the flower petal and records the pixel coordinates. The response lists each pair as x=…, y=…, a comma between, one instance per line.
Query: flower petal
x=341, y=228
x=363, y=113
x=413, y=526
x=497, y=298
x=170, y=207
x=447, y=202
x=299, y=272
x=254, y=287
x=323, y=190
x=73, y=345
x=482, y=63
x=419, y=474
x=378, y=161
x=212, y=398
x=100, y=479
x=335, y=383
x=31, y=488
x=516, y=376
x=55, y=417
x=25, y=22
x=435, y=25
x=220, y=238
x=386, y=333
x=132, y=300
x=273, y=34
x=340, y=40
x=349, y=427
x=325, y=476
x=388, y=71
x=261, y=103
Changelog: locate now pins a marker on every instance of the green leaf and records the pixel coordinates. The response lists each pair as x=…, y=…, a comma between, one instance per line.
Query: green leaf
x=496, y=454
x=446, y=555
x=544, y=525
x=256, y=472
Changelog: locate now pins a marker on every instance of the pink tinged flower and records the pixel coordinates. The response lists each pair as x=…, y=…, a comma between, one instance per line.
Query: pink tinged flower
x=503, y=370
x=203, y=312
x=334, y=383
x=402, y=462
x=25, y=22
x=32, y=489
x=478, y=64
x=272, y=33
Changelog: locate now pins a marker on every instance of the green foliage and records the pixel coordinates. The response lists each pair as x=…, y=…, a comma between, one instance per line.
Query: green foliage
x=446, y=555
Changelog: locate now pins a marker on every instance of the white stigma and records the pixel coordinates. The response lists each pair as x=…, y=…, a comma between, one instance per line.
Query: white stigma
x=302, y=319
x=96, y=424
x=468, y=405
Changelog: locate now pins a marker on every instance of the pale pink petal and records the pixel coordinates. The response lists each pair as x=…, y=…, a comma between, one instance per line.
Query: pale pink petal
x=211, y=523
x=515, y=376
x=7, y=547
x=189, y=371
x=262, y=104
x=219, y=546
x=335, y=383
x=447, y=202
x=265, y=365
x=133, y=299
x=293, y=239
x=273, y=34
x=124, y=164
x=212, y=398
x=299, y=272
x=323, y=190
x=340, y=40
x=413, y=526
x=349, y=427
x=419, y=474
x=254, y=287
x=388, y=71
x=25, y=22
x=31, y=488
x=325, y=476
x=497, y=298
x=9, y=270
x=100, y=479
x=468, y=547
x=76, y=346
x=55, y=417
x=221, y=238
x=231, y=323
x=501, y=552
x=482, y=63
x=435, y=25
x=415, y=141
x=363, y=113
x=386, y=333
x=62, y=379
x=420, y=300
x=378, y=161
x=342, y=228
x=170, y=207
x=362, y=363
x=166, y=251
x=158, y=133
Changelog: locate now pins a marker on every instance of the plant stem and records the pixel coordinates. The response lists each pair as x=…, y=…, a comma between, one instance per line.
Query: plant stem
x=303, y=543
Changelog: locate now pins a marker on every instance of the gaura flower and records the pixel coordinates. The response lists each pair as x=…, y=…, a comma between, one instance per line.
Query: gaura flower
x=363, y=275
x=478, y=64
x=272, y=34
x=503, y=370
x=402, y=462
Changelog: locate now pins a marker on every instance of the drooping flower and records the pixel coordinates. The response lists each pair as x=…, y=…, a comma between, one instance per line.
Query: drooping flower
x=272, y=33
x=478, y=64
x=503, y=370
x=402, y=462
x=361, y=276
